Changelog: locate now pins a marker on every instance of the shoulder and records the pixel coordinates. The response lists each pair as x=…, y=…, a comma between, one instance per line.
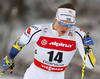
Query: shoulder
x=39, y=27
x=35, y=27
x=31, y=30
x=79, y=32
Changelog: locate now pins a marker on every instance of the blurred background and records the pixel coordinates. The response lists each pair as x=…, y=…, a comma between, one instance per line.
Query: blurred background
x=17, y=15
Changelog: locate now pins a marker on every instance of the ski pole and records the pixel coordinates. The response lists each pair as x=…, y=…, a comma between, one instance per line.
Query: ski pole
x=83, y=68
x=6, y=71
x=84, y=61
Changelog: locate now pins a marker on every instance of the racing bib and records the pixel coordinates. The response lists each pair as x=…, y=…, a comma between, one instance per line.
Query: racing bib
x=54, y=53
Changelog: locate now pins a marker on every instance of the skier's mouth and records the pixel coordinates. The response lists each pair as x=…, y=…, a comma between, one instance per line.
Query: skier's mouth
x=63, y=32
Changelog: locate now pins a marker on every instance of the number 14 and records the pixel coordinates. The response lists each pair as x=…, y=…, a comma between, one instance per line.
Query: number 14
x=57, y=58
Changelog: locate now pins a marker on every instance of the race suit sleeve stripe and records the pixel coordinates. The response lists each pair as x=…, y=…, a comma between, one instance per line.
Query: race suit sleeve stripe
x=33, y=35
x=91, y=58
x=79, y=35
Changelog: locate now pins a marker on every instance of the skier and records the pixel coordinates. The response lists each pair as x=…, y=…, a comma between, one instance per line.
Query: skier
x=55, y=45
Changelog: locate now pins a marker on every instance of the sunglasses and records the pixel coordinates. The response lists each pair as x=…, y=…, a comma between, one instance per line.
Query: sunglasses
x=65, y=24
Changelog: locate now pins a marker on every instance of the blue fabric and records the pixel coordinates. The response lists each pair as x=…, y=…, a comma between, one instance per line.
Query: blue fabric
x=65, y=24
x=13, y=53
x=4, y=64
x=88, y=41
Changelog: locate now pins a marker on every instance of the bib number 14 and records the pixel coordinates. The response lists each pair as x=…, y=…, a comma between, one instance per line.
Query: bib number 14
x=57, y=58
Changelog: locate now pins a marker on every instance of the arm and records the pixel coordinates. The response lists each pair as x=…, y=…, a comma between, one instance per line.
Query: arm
x=90, y=59
x=31, y=34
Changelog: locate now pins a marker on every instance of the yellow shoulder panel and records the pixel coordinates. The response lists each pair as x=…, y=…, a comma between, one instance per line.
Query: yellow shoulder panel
x=17, y=46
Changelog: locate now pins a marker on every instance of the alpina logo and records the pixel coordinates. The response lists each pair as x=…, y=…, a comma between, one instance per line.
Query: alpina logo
x=60, y=44
x=56, y=43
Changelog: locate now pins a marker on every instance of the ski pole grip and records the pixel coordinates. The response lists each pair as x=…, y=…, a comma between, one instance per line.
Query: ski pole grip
x=87, y=35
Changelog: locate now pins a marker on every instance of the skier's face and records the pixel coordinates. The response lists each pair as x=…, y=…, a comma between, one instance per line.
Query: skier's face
x=61, y=29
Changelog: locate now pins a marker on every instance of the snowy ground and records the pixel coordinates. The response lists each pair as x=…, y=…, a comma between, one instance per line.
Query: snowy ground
x=10, y=77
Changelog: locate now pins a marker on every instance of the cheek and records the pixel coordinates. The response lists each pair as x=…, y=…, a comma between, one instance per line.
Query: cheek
x=59, y=28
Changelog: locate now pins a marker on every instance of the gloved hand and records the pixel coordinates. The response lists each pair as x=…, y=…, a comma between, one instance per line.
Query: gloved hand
x=8, y=63
x=88, y=43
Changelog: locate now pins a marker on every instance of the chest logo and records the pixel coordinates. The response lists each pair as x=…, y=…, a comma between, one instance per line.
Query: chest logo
x=45, y=30
x=56, y=43
x=44, y=42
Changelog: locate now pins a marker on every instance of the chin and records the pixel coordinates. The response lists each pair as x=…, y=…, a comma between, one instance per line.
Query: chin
x=61, y=34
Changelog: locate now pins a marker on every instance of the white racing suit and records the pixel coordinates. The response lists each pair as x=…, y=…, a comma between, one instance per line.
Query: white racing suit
x=53, y=53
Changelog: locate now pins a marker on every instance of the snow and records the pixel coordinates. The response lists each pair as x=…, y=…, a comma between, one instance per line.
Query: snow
x=10, y=77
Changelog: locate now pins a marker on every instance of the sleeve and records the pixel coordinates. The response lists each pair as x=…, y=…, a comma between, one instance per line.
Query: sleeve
x=31, y=34
x=90, y=59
